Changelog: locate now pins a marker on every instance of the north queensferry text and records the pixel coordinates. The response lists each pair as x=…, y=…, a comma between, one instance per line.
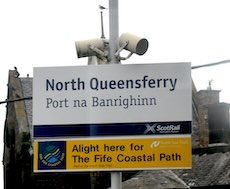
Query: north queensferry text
x=97, y=84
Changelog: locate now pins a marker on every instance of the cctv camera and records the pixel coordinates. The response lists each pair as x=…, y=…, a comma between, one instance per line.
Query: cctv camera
x=84, y=47
x=135, y=44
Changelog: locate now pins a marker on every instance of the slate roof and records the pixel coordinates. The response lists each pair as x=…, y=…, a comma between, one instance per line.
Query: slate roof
x=157, y=179
x=27, y=87
x=207, y=170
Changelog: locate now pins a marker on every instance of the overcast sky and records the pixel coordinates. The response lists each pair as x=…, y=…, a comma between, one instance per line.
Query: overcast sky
x=42, y=33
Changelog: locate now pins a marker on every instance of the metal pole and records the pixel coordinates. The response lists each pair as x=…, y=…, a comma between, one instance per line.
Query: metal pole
x=102, y=27
x=113, y=31
x=116, y=177
x=116, y=180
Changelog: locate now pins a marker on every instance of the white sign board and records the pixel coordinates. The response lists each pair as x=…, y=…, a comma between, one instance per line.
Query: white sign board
x=112, y=117
x=112, y=94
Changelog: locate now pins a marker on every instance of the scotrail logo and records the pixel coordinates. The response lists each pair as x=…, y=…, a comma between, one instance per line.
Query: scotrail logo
x=162, y=128
x=51, y=155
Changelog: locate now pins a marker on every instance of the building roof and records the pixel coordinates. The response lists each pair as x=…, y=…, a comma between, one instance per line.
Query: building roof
x=156, y=179
x=27, y=88
x=207, y=170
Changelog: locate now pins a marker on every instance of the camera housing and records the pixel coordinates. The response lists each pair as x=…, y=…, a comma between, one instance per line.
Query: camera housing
x=83, y=47
x=135, y=44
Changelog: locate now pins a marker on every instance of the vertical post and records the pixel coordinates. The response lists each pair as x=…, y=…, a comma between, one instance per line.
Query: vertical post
x=113, y=31
x=116, y=177
x=116, y=180
x=102, y=27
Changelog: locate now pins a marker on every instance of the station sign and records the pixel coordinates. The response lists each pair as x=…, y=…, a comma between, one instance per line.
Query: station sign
x=76, y=108
x=133, y=93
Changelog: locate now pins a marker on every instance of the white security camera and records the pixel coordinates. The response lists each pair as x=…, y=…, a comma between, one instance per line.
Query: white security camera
x=86, y=48
x=134, y=44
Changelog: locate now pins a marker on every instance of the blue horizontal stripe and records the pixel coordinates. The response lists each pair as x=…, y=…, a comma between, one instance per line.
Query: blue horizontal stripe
x=119, y=129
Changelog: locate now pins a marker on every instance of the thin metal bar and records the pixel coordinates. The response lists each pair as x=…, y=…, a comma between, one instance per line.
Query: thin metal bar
x=15, y=100
x=102, y=27
x=211, y=64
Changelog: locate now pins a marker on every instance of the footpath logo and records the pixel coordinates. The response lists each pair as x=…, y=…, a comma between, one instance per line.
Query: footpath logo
x=52, y=155
x=157, y=128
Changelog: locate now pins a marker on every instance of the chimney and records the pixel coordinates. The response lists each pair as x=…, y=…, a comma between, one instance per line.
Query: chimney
x=205, y=98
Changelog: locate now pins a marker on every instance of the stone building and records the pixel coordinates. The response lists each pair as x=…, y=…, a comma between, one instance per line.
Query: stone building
x=210, y=141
